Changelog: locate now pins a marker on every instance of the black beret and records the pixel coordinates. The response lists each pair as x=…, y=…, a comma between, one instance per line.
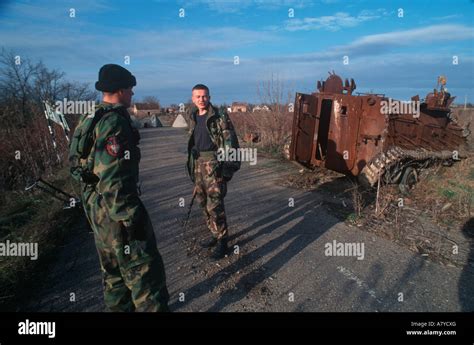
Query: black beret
x=114, y=77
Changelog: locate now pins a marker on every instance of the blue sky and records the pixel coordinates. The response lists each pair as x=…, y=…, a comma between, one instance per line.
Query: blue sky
x=387, y=54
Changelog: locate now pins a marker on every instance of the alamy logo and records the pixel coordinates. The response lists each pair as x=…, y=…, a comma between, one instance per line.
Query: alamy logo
x=37, y=328
x=237, y=155
x=344, y=249
x=75, y=107
x=394, y=107
x=19, y=249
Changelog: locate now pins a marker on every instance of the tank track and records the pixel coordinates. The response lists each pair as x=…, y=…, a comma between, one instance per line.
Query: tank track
x=384, y=161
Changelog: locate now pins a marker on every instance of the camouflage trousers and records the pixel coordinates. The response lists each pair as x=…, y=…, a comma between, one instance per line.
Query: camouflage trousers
x=210, y=192
x=133, y=272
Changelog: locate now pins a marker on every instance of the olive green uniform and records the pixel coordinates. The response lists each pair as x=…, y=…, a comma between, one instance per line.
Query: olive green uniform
x=133, y=270
x=209, y=175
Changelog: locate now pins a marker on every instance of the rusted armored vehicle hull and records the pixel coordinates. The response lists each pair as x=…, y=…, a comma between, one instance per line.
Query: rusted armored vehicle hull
x=367, y=136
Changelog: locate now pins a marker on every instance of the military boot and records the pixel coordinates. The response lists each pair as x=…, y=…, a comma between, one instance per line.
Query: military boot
x=220, y=250
x=208, y=243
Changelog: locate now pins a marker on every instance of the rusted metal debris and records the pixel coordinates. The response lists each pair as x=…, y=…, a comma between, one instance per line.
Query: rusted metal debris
x=370, y=135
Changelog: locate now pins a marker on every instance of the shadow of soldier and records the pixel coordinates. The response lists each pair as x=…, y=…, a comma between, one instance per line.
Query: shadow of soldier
x=273, y=239
x=290, y=231
x=466, y=281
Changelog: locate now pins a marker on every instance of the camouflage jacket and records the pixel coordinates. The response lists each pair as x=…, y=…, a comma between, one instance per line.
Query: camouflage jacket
x=114, y=159
x=222, y=134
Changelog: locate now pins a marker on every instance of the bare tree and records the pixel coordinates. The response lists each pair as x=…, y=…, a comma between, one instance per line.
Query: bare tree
x=78, y=92
x=273, y=126
x=24, y=86
x=24, y=132
x=16, y=77
x=151, y=101
x=48, y=84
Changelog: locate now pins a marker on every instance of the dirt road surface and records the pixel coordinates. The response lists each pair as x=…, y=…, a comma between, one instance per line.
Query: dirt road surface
x=278, y=260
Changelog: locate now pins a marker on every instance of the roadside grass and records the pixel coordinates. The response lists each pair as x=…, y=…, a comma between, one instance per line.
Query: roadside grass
x=271, y=128
x=432, y=215
x=429, y=220
x=449, y=192
x=32, y=217
x=471, y=174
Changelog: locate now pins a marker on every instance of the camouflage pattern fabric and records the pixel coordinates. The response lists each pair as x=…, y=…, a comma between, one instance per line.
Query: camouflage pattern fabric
x=209, y=175
x=210, y=192
x=222, y=133
x=133, y=271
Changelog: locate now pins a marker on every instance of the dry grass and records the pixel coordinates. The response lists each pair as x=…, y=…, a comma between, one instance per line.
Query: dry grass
x=31, y=218
x=271, y=127
x=431, y=218
x=27, y=152
x=447, y=193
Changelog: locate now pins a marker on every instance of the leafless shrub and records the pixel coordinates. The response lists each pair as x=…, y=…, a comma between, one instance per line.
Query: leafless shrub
x=272, y=127
x=26, y=147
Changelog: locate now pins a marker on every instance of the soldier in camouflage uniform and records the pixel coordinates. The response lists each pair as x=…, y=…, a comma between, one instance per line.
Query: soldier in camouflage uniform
x=210, y=131
x=133, y=271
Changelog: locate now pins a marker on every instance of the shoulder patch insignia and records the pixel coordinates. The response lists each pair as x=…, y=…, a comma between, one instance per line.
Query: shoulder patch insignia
x=113, y=147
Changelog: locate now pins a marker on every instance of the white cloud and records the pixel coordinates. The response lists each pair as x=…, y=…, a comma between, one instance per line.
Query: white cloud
x=181, y=44
x=335, y=22
x=447, y=17
x=434, y=33
x=377, y=44
x=55, y=10
x=237, y=6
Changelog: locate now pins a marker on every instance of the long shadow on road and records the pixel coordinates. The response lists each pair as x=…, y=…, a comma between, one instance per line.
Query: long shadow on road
x=292, y=228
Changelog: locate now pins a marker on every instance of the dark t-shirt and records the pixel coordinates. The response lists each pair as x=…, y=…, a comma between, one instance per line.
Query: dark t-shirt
x=202, y=139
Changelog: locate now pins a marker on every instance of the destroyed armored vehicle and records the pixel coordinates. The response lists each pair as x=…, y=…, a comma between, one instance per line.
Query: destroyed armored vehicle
x=371, y=136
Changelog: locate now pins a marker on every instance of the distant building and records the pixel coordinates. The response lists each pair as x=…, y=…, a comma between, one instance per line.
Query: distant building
x=238, y=107
x=260, y=108
x=144, y=109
